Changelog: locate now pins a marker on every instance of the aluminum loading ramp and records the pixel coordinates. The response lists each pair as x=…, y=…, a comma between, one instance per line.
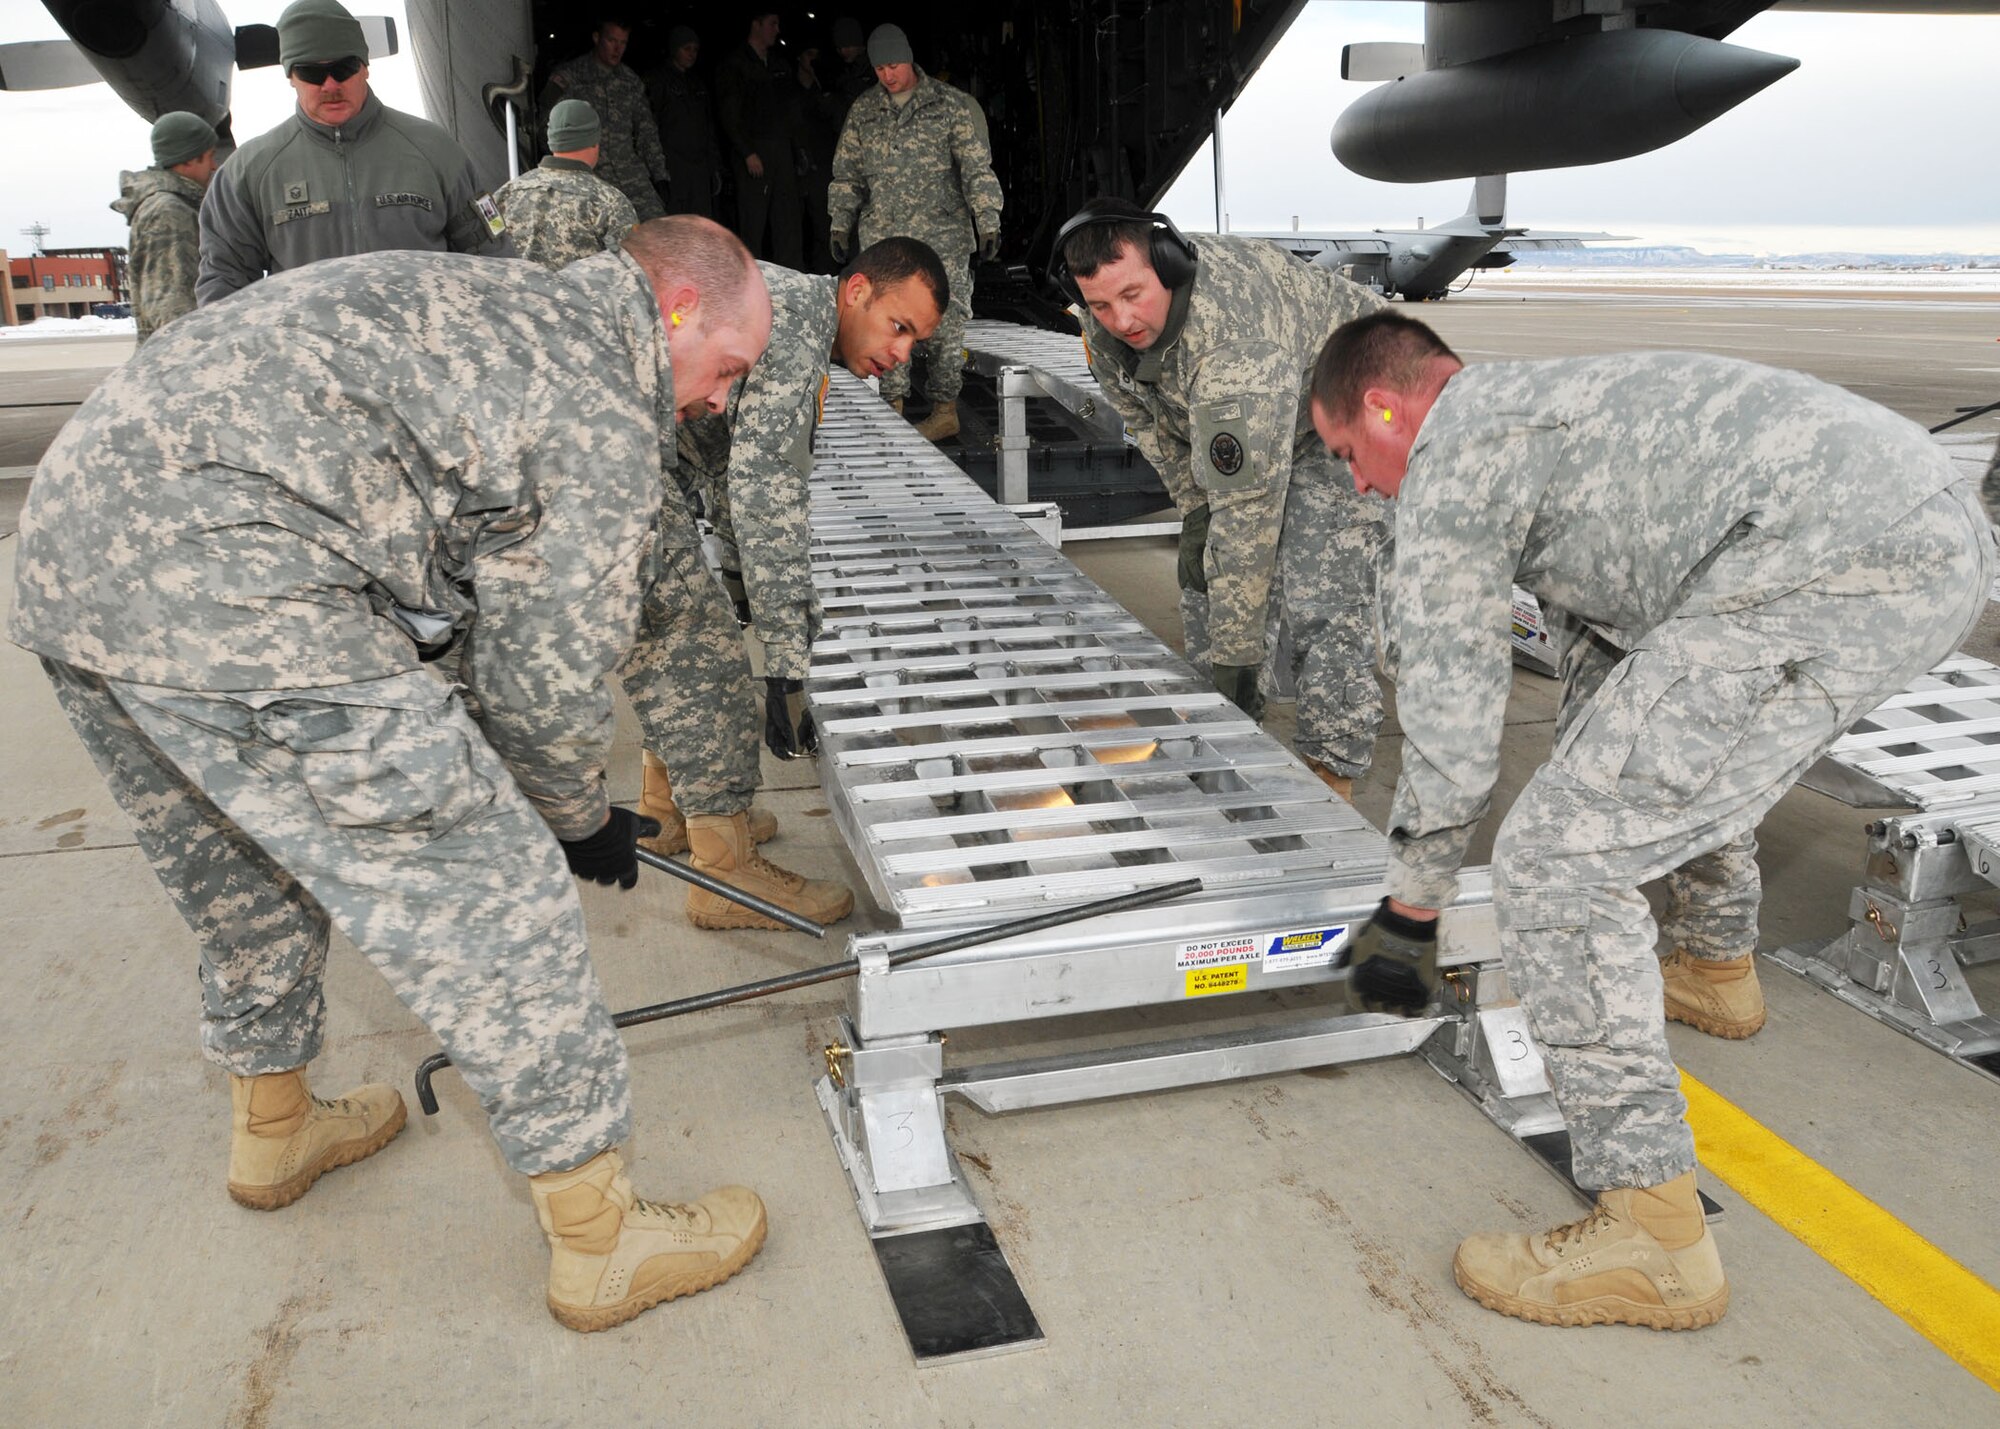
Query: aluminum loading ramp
x=1935, y=748
x=998, y=737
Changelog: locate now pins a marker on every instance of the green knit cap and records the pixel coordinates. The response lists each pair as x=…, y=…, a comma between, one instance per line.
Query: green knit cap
x=572, y=125
x=319, y=32
x=180, y=136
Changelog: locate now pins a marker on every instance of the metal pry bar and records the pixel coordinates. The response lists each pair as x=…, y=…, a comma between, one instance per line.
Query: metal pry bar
x=730, y=891
x=830, y=972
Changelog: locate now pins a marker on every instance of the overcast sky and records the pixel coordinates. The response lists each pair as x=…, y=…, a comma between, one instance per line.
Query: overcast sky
x=1883, y=140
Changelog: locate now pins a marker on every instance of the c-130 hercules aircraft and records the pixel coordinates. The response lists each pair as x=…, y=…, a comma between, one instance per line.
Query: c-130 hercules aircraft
x=1087, y=98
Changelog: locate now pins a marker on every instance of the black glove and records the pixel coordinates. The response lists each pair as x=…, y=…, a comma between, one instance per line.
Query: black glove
x=841, y=248
x=1239, y=682
x=788, y=724
x=1394, y=964
x=1193, y=571
x=608, y=855
x=739, y=595
x=989, y=246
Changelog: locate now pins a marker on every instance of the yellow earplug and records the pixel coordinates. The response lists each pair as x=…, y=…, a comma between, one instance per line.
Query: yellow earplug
x=1386, y=416
x=677, y=323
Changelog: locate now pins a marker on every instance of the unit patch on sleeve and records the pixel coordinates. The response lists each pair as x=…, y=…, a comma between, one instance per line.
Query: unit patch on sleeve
x=1225, y=453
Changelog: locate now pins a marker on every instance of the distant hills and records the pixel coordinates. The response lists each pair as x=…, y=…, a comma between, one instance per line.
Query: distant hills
x=1680, y=256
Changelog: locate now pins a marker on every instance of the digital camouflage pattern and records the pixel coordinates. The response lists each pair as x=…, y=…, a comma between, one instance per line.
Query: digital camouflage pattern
x=560, y=211
x=629, y=156
x=270, y=815
x=688, y=676
x=306, y=192
x=246, y=503
x=759, y=501
x=921, y=169
x=163, y=209
x=1221, y=406
x=1745, y=561
x=227, y=560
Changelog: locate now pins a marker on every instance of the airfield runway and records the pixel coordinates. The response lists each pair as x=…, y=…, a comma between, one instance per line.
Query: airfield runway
x=1274, y=1251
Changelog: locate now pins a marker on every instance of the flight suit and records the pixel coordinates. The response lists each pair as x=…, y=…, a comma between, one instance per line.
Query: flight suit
x=1745, y=562
x=756, y=103
x=686, y=121
x=236, y=593
x=1221, y=406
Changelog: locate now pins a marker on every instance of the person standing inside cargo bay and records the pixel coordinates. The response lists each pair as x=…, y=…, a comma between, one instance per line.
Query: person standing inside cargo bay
x=1739, y=562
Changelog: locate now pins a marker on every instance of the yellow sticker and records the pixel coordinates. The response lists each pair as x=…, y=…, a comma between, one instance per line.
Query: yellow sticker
x=1202, y=982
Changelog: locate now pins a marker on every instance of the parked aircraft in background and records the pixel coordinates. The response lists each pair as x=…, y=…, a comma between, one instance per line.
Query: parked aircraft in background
x=1423, y=263
x=1090, y=98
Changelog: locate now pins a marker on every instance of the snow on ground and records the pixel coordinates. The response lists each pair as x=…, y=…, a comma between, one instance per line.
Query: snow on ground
x=70, y=327
x=1915, y=282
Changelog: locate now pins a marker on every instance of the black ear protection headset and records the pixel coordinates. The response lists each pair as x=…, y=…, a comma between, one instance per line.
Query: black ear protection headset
x=1173, y=256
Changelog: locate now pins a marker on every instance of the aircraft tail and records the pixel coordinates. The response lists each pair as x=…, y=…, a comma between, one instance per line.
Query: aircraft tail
x=1489, y=201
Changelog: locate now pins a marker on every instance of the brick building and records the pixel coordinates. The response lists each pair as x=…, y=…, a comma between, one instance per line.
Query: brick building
x=64, y=282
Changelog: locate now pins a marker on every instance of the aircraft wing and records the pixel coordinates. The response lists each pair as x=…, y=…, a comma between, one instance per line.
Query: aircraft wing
x=1309, y=245
x=1533, y=239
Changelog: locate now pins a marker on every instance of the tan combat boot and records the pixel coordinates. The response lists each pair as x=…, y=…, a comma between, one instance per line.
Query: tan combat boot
x=615, y=1256
x=719, y=845
x=1719, y=996
x=282, y=1138
x=896, y=405
x=1341, y=784
x=656, y=801
x=1643, y=1257
x=941, y=423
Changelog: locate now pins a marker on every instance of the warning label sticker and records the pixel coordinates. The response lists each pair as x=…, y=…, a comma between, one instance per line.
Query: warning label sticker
x=1203, y=982
x=1304, y=948
x=1213, y=952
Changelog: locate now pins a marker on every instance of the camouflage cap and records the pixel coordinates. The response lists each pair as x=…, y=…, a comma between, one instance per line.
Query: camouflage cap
x=180, y=136
x=848, y=34
x=318, y=32
x=573, y=125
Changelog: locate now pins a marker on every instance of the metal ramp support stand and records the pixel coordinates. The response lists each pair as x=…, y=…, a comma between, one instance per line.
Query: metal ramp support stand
x=998, y=737
x=1024, y=363
x=1901, y=960
x=1936, y=745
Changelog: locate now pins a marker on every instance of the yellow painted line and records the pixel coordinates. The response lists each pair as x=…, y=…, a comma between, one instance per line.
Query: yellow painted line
x=1932, y=1293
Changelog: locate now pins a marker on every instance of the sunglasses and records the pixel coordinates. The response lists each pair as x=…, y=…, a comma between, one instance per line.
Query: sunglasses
x=340, y=71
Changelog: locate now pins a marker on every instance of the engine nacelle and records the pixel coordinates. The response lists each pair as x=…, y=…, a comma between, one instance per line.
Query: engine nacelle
x=1586, y=100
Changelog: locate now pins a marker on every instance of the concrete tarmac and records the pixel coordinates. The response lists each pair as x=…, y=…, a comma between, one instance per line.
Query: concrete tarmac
x=1274, y=1251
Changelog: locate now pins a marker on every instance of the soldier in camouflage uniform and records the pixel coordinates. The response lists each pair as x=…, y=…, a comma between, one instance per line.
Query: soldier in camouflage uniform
x=1211, y=379
x=913, y=161
x=235, y=593
x=1746, y=561
x=631, y=159
x=163, y=206
x=560, y=211
x=687, y=676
